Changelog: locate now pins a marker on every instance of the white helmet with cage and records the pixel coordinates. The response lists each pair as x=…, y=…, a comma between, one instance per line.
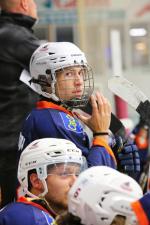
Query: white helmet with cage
x=42, y=153
x=100, y=193
x=51, y=57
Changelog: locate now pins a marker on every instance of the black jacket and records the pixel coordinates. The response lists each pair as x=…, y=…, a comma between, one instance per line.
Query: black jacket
x=17, y=43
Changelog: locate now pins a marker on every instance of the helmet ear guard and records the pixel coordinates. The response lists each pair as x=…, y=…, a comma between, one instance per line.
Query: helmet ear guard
x=42, y=81
x=52, y=57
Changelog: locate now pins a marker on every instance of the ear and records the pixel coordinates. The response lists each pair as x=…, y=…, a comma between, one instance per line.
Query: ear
x=36, y=182
x=24, y=5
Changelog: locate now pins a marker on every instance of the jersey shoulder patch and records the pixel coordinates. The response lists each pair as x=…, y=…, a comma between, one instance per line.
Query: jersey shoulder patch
x=71, y=123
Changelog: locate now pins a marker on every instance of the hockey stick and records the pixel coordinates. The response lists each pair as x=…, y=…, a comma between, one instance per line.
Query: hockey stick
x=116, y=126
x=130, y=93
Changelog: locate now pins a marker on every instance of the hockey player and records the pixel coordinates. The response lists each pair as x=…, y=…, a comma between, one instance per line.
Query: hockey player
x=101, y=196
x=47, y=169
x=61, y=75
x=141, y=208
x=140, y=135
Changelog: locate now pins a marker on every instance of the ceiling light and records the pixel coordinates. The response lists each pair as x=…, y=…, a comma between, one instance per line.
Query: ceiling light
x=137, y=32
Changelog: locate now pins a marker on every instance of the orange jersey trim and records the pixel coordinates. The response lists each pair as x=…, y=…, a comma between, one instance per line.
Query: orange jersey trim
x=100, y=142
x=137, y=208
x=28, y=201
x=50, y=105
x=139, y=144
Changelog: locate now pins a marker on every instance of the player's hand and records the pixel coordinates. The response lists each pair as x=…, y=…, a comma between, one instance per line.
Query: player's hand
x=99, y=121
x=127, y=156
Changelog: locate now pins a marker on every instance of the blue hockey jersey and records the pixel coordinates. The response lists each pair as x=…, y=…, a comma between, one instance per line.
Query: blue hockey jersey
x=142, y=209
x=25, y=212
x=52, y=120
x=141, y=139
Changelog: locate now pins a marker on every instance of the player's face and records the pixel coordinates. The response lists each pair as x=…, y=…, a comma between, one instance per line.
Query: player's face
x=70, y=82
x=59, y=182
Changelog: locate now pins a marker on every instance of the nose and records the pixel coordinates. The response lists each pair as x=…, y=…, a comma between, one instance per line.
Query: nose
x=73, y=178
x=78, y=79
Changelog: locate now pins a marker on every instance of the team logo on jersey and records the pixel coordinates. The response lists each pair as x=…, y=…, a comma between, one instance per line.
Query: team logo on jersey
x=71, y=123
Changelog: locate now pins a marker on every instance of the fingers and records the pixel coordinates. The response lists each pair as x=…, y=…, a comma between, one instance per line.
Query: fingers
x=100, y=103
x=103, y=103
x=94, y=103
x=101, y=113
x=83, y=118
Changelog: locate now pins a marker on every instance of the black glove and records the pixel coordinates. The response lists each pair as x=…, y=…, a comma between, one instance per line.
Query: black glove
x=127, y=156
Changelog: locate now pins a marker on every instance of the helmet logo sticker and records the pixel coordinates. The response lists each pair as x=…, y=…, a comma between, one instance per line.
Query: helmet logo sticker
x=35, y=145
x=126, y=186
x=45, y=48
x=77, y=192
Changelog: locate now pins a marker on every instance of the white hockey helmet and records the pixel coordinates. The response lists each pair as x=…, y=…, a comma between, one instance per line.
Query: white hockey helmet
x=42, y=153
x=100, y=193
x=51, y=57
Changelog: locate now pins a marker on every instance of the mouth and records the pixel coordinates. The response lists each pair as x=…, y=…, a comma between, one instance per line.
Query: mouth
x=77, y=93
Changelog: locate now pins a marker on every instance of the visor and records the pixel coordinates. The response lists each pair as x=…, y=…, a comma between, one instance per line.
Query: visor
x=64, y=169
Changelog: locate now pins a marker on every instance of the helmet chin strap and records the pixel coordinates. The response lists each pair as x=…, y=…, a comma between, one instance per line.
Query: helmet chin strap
x=27, y=192
x=45, y=188
x=51, y=95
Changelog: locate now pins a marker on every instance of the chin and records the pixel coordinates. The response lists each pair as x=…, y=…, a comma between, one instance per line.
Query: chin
x=64, y=205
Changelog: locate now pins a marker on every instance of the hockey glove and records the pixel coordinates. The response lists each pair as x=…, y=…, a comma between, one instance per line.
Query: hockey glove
x=127, y=156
